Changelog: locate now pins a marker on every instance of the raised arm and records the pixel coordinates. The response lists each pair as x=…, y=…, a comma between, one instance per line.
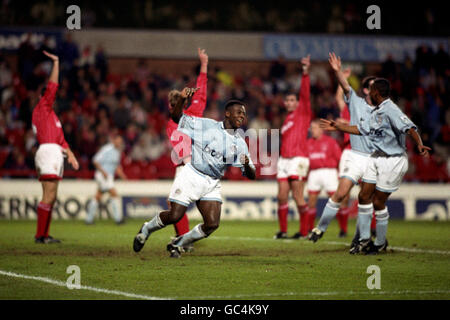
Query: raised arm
x=335, y=63
x=198, y=103
x=177, y=111
x=54, y=75
x=305, y=87
x=340, y=92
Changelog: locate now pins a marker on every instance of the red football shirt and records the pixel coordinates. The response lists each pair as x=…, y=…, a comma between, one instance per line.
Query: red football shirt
x=345, y=114
x=323, y=153
x=181, y=143
x=46, y=124
x=295, y=127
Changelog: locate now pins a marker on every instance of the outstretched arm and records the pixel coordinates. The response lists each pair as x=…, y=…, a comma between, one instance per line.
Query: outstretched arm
x=331, y=125
x=198, y=103
x=177, y=110
x=335, y=63
x=339, y=92
x=305, y=87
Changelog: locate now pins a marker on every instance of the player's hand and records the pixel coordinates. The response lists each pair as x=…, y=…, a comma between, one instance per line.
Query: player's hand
x=51, y=56
x=188, y=92
x=202, y=56
x=306, y=62
x=423, y=150
x=244, y=160
x=72, y=160
x=328, y=125
x=335, y=62
x=347, y=72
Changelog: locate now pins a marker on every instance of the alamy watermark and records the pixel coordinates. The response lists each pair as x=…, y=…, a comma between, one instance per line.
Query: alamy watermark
x=74, y=280
x=374, y=280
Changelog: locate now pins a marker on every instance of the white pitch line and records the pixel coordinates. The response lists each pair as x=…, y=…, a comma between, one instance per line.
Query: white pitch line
x=412, y=250
x=326, y=293
x=63, y=284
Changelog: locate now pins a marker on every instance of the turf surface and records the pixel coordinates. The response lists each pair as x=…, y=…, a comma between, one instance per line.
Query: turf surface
x=241, y=260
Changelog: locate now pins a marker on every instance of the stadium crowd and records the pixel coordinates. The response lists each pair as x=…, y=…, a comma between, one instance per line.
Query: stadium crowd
x=92, y=102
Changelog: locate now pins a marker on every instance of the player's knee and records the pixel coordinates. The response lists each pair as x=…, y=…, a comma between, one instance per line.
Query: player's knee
x=378, y=204
x=210, y=227
x=338, y=197
x=364, y=198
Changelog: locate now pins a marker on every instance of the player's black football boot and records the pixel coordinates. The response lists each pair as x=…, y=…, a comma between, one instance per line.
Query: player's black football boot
x=365, y=245
x=50, y=239
x=298, y=236
x=342, y=234
x=374, y=249
x=174, y=249
x=280, y=235
x=315, y=235
x=139, y=240
x=354, y=247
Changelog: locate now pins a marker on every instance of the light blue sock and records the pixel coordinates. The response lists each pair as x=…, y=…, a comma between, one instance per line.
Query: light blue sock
x=328, y=214
x=382, y=217
x=194, y=235
x=365, y=212
x=153, y=225
x=91, y=211
x=115, y=210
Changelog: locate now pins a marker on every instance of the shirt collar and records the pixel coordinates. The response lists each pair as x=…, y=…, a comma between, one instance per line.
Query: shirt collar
x=381, y=105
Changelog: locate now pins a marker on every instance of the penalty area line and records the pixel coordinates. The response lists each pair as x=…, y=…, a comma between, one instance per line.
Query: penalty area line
x=88, y=288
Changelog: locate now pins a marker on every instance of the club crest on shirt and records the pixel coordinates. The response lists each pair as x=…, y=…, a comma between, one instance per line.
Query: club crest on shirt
x=379, y=118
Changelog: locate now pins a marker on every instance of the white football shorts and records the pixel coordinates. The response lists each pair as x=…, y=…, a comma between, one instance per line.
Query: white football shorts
x=104, y=184
x=191, y=185
x=353, y=165
x=295, y=168
x=323, y=179
x=49, y=161
x=386, y=172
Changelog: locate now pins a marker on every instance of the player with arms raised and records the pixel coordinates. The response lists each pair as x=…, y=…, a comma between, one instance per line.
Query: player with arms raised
x=49, y=158
x=215, y=146
x=293, y=163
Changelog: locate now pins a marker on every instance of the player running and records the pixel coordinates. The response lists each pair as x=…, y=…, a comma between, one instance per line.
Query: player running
x=355, y=161
x=293, y=163
x=49, y=158
x=107, y=165
x=216, y=145
x=386, y=127
x=181, y=143
x=324, y=154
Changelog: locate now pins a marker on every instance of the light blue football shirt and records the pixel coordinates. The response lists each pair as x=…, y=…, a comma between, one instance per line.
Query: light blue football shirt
x=387, y=128
x=359, y=111
x=213, y=147
x=108, y=157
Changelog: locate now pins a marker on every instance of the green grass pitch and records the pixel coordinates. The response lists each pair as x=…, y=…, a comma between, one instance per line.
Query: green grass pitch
x=241, y=260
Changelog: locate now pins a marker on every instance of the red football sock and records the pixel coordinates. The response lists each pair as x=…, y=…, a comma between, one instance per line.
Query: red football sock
x=342, y=217
x=182, y=226
x=282, y=216
x=311, y=218
x=302, y=210
x=373, y=224
x=43, y=212
x=47, y=225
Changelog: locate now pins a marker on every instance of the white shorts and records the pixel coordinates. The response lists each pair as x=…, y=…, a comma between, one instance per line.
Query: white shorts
x=49, y=161
x=191, y=185
x=323, y=179
x=353, y=165
x=104, y=184
x=386, y=172
x=295, y=168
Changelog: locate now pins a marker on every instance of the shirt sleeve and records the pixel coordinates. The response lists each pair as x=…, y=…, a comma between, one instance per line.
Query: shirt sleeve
x=49, y=96
x=399, y=120
x=198, y=104
x=243, y=151
x=99, y=155
x=304, y=103
x=353, y=101
x=187, y=124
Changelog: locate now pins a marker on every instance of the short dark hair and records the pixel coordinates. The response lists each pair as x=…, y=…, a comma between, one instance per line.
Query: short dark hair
x=290, y=93
x=382, y=86
x=366, y=81
x=233, y=102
